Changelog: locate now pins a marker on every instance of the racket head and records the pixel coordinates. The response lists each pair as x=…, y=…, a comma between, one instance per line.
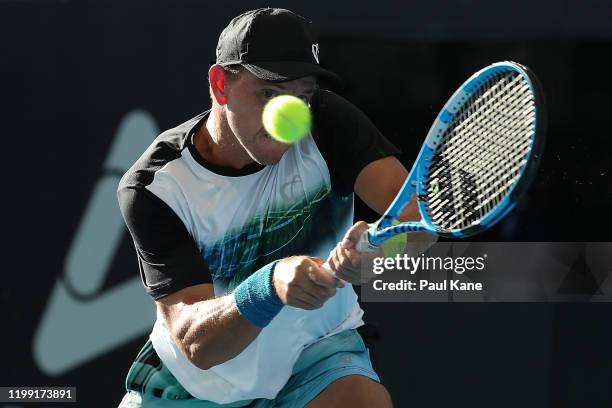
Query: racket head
x=482, y=151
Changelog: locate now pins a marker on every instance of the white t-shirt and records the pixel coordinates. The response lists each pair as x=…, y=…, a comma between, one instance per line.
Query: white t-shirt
x=196, y=223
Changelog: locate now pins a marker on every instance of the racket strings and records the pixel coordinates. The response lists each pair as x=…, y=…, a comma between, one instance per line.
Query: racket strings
x=469, y=188
x=500, y=142
x=471, y=196
x=481, y=154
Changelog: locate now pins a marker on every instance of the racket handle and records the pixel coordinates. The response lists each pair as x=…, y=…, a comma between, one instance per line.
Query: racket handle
x=364, y=244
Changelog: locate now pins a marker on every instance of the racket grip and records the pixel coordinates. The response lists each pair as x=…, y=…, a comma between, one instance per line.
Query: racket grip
x=364, y=244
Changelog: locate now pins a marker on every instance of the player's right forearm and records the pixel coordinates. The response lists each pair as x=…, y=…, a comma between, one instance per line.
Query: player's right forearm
x=213, y=331
x=216, y=330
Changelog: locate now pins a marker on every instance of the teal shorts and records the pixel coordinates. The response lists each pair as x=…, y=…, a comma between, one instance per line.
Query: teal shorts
x=319, y=365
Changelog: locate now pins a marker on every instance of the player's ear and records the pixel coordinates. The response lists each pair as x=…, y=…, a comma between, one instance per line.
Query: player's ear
x=216, y=78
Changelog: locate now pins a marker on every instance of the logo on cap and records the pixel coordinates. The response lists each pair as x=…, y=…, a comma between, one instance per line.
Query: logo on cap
x=315, y=52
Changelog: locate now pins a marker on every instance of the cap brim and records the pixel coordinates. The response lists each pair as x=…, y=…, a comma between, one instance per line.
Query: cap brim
x=281, y=71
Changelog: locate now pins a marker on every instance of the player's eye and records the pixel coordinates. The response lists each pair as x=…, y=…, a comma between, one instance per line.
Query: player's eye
x=269, y=93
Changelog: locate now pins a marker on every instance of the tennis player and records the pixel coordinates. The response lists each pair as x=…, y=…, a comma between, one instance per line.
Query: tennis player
x=231, y=228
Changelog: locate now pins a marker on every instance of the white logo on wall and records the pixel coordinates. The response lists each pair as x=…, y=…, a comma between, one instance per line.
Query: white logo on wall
x=72, y=330
x=315, y=52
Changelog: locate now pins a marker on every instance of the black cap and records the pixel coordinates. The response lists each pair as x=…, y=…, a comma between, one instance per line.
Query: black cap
x=274, y=44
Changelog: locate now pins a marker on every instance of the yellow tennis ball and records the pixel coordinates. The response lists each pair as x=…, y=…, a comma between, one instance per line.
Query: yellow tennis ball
x=286, y=118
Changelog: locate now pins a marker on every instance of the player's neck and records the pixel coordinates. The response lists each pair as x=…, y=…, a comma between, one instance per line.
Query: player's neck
x=217, y=144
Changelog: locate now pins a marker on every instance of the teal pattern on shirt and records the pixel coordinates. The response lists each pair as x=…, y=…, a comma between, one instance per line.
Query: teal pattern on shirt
x=303, y=228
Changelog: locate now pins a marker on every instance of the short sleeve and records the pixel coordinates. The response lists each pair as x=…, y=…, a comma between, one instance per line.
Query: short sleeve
x=346, y=138
x=168, y=257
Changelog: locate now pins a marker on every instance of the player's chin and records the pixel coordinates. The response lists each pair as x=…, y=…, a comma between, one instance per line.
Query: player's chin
x=270, y=151
x=269, y=159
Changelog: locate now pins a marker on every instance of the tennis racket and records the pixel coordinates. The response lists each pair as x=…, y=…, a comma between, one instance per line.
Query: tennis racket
x=478, y=159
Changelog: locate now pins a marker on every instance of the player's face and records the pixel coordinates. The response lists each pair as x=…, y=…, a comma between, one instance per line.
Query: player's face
x=247, y=96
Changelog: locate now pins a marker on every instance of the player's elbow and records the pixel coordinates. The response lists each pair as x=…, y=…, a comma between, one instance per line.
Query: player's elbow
x=199, y=357
x=210, y=351
x=203, y=353
x=197, y=348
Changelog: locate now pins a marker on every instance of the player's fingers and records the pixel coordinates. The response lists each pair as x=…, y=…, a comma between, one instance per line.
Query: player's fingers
x=309, y=291
x=319, y=292
x=347, y=269
x=309, y=299
x=345, y=263
x=321, y=277
x=352, y=236
x=351, y=276
x=334, y=261
x=333, y=265
x=303, y=292
x=353, y=256
x=298, y=289
x=299, y=303
x=341, y=272
x=318, y=261
x=324, y=278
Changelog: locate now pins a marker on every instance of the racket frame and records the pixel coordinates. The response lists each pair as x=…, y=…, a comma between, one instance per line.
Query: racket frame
x=383, y=228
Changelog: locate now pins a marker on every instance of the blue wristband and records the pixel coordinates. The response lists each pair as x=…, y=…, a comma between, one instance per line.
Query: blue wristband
x=256, y=298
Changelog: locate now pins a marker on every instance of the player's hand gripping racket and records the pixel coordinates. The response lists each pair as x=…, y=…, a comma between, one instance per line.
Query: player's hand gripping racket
x=478, y=159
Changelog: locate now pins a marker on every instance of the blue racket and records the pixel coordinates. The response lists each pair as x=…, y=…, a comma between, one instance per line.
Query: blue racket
x=478, y=159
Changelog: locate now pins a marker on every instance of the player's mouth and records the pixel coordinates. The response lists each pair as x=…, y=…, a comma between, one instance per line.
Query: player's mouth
x=267, y=136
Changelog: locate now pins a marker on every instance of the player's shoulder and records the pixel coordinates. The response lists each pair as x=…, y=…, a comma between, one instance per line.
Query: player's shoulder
x=332, y=110
x=165, y=148
x=324, y=99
